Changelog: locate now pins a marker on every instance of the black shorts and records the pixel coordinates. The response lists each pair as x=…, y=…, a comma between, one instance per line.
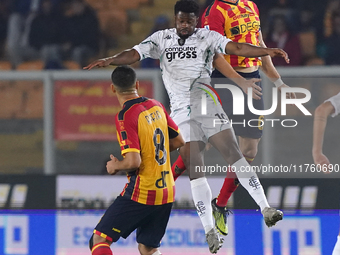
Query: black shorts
x=248, y=125
x=125, y=215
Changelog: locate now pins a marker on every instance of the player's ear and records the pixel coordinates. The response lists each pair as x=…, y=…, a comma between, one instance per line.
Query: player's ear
x=113, y=89
x=137, y=85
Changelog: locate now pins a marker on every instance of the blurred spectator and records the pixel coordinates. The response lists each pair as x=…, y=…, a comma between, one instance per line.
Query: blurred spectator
x=3, y=25
x=312, y=15
x=161, y=22
x=280, y=37
x=306, y=21
x=21, y=14
x=308, y=39
x=333, y=7
x=286, y=8
x=45, y=34
x=332, y=43
x=81, y=32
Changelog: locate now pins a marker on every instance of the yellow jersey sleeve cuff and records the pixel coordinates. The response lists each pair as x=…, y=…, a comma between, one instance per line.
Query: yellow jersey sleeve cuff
x=130, y=150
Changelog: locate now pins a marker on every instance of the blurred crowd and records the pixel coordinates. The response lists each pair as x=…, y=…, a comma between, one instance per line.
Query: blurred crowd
x=49, y=30
x=57, y=30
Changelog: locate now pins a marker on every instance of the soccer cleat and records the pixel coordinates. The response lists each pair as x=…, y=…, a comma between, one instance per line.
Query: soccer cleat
x=214, y=241
x=271, y=216
x=220, y=215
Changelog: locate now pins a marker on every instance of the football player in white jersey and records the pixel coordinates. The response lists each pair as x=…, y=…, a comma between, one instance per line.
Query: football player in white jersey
x=330, y=107
x=186, y=54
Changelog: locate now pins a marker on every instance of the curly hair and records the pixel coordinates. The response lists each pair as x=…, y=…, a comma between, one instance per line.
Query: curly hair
x=187, y=6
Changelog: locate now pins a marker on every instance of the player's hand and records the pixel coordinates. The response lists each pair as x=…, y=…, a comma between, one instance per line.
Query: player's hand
x=251, y=83
x=111, y=165
x=290, y=95
x=99, y=63
x=321, y=160
x=208, y=146
x=275, y=52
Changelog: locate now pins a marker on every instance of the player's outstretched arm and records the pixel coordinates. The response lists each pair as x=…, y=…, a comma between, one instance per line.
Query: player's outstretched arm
x=126, y=57
x=225, y=68
x=269, y=69
x=176, y=142
x=251, y=51
x=320, y=122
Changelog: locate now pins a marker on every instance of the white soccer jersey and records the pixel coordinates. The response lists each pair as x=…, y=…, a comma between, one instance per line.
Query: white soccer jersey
x=182, y=65
x=335, y=101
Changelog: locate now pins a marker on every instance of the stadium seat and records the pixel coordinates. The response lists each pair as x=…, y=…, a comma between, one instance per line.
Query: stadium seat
x=99, y=5
x=124, y=5
x=315, y=61
x=71, y=65
x=5, y=65
x=149, y=1
x=31, y=65
x=108, y=22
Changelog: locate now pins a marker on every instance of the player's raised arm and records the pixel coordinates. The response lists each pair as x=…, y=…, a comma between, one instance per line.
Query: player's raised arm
x=126, y=57
x=251, y=51
x=269, y=69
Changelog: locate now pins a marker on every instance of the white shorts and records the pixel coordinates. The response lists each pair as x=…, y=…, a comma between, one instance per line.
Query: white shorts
x=195, y=126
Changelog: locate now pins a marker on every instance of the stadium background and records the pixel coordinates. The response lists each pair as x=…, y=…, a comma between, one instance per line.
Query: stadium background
x=56, y=132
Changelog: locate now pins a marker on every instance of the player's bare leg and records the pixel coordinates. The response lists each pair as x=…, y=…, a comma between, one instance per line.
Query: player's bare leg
x=249, y=146
x=225, y=142
x=99, y=245
x=192, y=154
x=145, y=250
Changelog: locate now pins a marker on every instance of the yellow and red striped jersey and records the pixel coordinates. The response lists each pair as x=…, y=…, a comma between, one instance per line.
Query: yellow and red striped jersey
x=145, y=127
x=239, y=21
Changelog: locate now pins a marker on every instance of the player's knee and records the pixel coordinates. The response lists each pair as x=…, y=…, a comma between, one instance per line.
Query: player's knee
x=249, y=147
x=95, y=239
x=250, y=152
x=146, y=250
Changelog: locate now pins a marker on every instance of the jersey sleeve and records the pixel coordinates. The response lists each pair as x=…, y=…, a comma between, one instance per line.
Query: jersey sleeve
x=127, y=134
x=335, y=101
x=213, y=19
x=218, y=42
x=149, y=48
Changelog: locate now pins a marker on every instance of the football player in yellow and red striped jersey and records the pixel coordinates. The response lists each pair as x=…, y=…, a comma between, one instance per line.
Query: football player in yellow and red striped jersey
x=239, y=21
x=146, y=135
